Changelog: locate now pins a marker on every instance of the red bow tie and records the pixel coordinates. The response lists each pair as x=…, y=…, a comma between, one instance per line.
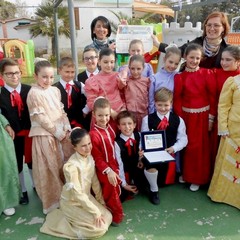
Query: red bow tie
x=16, y=101
x=129, y=143
x=68, y=90
x=163, y=124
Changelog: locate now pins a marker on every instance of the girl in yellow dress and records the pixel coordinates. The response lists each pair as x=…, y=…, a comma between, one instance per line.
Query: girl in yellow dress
x=225, y=184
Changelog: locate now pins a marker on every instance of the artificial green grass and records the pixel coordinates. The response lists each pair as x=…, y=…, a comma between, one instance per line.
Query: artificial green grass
x=181, y=215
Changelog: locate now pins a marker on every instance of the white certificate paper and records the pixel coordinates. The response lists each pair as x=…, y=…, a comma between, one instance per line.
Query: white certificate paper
x=127, y=33
x=153, y=141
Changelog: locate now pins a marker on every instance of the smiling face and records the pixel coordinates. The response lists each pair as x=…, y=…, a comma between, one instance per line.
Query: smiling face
x=11, y=76
x=100, y=30
x=102, y=116
x=136, y=69
x=136, y=49
x=107, y=63
x=45, y=77
x=84, y=147
x=163, y=107
x=193, y=59
x=67, y=73
x=228, y=62
x=214, y=28
x=90, y=59
x=171, y=62
x=126, y=126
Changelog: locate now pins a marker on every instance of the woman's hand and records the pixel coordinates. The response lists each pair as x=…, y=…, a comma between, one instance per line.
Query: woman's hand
x=99, y=221
x=113, y=178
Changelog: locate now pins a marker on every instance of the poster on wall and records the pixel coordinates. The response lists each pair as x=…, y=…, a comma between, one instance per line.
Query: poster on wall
x=127, y=33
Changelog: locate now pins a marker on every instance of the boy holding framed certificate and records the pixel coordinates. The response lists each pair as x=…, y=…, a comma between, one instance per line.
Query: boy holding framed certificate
x=172, y=127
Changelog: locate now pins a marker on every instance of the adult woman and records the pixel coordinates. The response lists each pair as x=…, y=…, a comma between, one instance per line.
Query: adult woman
x=215, y=28
x=225, y=184
x=100, y=33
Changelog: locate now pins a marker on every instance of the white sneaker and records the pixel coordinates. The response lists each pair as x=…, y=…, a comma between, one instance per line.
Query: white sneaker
x=194, y=187
x=9, y=211
x=180, y=179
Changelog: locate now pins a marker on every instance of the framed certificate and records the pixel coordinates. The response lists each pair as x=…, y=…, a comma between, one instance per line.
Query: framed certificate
x=154, y=145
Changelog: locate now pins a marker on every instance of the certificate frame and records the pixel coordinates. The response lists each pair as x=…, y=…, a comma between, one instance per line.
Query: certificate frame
x=153, y=140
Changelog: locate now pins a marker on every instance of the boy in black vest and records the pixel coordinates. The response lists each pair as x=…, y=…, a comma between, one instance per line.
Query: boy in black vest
x=13, y=106
x=127, y=155
x=72, y=94
x=160, y=174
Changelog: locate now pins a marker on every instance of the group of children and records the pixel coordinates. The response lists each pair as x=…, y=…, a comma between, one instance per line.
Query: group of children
x=120, y=105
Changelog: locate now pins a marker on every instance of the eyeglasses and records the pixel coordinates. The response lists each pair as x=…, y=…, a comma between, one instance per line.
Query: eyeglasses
x=11, y=74
x=86, y=59
x=213, y=25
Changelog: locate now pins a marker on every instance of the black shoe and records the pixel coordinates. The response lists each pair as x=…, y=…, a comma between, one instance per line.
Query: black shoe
x=114, y=224
x=154, y=198
x=24, y=199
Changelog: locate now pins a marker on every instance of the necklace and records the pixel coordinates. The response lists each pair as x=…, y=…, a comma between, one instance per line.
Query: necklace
x=191, y=69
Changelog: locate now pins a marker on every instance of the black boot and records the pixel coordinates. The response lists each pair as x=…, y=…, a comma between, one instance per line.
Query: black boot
x=154, y=198
x=24, y=199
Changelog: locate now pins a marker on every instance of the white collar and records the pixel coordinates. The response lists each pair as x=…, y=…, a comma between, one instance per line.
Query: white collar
x=64, y=83
x=125, y=138
x=10, y=89
x=162, y=116
x=94, y=73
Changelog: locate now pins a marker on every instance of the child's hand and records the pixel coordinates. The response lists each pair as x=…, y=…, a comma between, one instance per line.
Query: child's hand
x=124, y=22
x=170, y=150
x=113, y=114
x=10, y=131
x=141, y=153
x=99, y=221
x=156, y=43
x=210, y=125
x=113, y=178
x=131, y=188
x=112, y=46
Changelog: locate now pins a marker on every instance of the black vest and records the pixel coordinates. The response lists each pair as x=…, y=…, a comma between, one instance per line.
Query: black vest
x=129, y=162
x=78, y=102
x=11, y=113
x=171, y=131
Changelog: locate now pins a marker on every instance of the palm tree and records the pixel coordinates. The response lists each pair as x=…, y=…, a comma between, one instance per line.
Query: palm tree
x=45, y=22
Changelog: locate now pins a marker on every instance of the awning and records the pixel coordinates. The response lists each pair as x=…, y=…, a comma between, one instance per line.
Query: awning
x=141, y=6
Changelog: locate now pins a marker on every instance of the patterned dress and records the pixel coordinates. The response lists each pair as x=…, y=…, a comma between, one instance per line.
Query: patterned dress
x=225, y=184
x=78, y=207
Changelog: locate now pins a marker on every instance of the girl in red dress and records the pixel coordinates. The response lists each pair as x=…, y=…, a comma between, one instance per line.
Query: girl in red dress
x=194, y=101
x=230, y=61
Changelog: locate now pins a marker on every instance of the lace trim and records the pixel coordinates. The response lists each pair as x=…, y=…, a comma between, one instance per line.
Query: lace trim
x=69, y=186
x=196, y=110
x=223, y=133
x=237, y=81
x=36, y=113
x=191, y=69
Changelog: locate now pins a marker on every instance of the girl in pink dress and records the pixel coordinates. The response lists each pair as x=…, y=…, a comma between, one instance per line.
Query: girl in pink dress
x=105, y=83
x=136, y=89
x=194, y=101
x=50, y=130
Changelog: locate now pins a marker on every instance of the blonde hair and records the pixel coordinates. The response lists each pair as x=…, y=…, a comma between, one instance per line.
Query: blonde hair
x=101, y=102
x=135, y=41
x=163, y=95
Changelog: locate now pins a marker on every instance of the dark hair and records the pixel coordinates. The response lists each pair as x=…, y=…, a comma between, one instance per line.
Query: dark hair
x=138, y=58
x=88, y=49
x=234, y=51
x=105, y=23
x=106, y=52
x=163, y=95
x=126, y=114
x=193, y=47
x=101, y=102
x=7, y=62
x=224, y=21
x=66, y=61
x=77, y=135
x=41, y=64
